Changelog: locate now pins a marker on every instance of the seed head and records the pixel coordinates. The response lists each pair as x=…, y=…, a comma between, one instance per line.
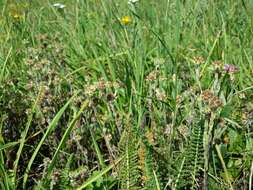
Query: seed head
x=160, y=95
x=217, y=64
x=215, y=103
x=198, y=60
x=153, y=75
x=211, y=100
x=206, y=95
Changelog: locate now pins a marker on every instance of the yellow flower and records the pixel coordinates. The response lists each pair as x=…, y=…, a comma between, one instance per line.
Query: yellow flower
x=226, y=140
x=16, y=15
x=126, y=20
x=16, y=12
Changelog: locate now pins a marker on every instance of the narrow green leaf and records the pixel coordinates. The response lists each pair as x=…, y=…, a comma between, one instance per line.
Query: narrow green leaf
x=156, y=181
x=5, y=181
x=8, y=145
x=101, y=173
x=65, y=138
x=24, y=134
x=98, y=152
x=50, y=128
x=4, y=65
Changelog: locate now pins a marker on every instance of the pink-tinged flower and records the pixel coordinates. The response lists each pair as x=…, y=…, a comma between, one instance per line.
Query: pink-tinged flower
x=230, y=68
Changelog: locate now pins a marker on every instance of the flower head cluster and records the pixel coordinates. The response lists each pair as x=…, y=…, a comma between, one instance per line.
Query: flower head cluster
x=160, y=94
x=198, y=60
x=153, y=75
x=217, y=64
x=211, y=100
x=100, y=85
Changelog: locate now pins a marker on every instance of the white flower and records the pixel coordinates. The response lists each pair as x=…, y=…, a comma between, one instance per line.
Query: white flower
x=59, y=5
x=132, y=1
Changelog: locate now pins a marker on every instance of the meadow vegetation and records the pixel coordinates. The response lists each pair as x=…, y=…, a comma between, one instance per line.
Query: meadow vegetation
x=117, y=94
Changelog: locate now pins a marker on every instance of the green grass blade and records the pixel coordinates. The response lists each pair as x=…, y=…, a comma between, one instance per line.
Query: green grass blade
x=5, y=181
x=98, y=152
x=4, y=65
x=8, y=145
x=50, y=128
x=156, y=181
x=101, y=173
x=24, y=134
x=65, y=138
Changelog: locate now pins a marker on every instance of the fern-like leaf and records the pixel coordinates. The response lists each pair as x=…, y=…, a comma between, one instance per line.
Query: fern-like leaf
x=128, y=169
x=193, y=161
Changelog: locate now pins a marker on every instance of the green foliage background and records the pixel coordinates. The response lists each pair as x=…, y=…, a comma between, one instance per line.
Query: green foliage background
x=90, y=101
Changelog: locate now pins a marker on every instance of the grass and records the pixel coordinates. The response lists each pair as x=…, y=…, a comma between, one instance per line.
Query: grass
x=119, y=95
